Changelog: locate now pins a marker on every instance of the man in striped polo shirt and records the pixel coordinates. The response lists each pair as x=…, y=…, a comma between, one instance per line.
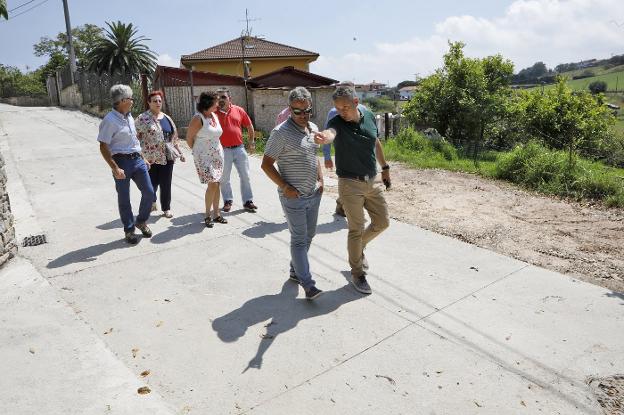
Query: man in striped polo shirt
x=299, y=180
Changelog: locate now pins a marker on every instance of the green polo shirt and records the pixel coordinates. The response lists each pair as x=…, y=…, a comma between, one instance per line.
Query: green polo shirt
x=355, y=145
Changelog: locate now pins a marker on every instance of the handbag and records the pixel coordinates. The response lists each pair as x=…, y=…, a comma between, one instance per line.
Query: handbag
x=171, y=152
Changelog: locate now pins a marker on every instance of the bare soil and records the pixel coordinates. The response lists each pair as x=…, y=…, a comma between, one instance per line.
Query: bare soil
x=583, y=240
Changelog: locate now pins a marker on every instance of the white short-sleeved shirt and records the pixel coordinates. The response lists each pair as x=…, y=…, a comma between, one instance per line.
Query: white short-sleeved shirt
x=118, y=131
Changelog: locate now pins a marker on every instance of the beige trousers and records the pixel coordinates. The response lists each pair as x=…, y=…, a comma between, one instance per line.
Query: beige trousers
x=356, y=196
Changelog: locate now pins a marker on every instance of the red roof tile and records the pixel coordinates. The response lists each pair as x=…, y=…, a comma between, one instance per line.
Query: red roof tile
x=290, y=77
x=254, y=48
x=168, y=76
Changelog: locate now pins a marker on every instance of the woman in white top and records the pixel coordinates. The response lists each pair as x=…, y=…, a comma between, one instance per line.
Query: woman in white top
x=203, y=137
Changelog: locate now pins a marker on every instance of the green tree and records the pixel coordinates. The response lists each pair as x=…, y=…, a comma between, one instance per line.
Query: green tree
x=531, y=74
x=597, y=87
x=85, y=38
x=3, y=10
x=463, y=97
x=121, y=51
x=15, y=83
x=563, y=119
x=379, y=104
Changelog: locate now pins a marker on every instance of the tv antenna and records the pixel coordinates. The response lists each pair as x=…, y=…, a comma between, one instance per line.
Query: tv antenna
x=248, y=30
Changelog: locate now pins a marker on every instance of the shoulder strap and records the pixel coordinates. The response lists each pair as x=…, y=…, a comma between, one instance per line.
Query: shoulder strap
x=173, y=126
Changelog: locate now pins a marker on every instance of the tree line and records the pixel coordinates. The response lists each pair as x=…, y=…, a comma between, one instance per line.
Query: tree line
x=470, y=102
x=118, y=49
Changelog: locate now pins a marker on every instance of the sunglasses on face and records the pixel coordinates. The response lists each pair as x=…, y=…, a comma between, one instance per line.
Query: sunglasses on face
x=223, y=97
x=297, y=111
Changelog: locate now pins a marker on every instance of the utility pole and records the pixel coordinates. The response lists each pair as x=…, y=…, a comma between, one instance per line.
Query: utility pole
x=70, y=43
x=245, y=36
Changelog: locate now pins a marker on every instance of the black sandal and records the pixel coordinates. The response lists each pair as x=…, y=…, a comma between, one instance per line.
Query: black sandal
x=208, y=222
x=220, y=219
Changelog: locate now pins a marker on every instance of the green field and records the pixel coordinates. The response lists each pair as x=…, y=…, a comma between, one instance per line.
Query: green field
x=598, y=70
x=614, y=80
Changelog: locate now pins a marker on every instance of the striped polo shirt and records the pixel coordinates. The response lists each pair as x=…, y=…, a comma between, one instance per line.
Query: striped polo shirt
x=296, y=159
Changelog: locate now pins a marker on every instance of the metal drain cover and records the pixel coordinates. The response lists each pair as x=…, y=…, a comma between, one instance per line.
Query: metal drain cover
x=34, y=240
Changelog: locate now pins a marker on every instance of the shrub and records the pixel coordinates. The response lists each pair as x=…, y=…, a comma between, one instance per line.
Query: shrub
x=534, y=166
x=563, y=119
x=598, y=87
x=411, y=140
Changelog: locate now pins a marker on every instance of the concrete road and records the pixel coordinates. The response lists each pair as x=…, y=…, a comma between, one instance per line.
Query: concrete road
x=206, y=319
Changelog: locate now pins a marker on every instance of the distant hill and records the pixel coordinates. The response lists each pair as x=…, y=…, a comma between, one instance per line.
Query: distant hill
x=539, y=74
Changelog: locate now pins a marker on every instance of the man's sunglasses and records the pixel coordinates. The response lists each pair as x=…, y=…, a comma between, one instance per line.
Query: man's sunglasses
x=297, y=111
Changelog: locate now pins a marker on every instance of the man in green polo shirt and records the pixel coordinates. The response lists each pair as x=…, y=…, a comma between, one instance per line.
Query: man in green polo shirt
x=354, y=134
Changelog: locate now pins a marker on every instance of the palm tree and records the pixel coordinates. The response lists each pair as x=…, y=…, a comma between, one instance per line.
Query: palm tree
x=121, y=52
x=3, y=10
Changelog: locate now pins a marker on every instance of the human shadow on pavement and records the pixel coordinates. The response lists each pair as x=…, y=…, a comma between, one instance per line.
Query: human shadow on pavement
x=333, y=226
x=181, y=226
x=285, y=311
x=615, y=294
x=88, y=254
x=116, y=224
x=262, y=229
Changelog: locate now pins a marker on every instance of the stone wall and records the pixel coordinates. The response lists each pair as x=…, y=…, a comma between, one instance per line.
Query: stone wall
x=266, y=103
x=27, y=101
x=71, y=97
x=8, y=249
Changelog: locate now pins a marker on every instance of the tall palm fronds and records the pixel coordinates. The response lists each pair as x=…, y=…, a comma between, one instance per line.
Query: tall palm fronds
x=121, y=52
x=3, y=10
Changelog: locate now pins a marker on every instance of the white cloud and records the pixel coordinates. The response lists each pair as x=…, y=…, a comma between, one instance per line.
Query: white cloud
x=552, y=31
x=166, y=60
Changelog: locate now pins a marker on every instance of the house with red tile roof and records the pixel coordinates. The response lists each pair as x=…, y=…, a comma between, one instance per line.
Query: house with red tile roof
x=248, y=56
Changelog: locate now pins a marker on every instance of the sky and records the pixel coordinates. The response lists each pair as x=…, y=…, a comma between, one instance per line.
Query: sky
x=360, y=41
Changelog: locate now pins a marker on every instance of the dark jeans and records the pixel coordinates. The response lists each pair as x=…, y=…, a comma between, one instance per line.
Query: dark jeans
x=160, y=175
x=136, y=170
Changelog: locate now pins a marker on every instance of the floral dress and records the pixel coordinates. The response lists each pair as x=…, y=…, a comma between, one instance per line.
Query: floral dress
x=151, y=137
x=207, y=150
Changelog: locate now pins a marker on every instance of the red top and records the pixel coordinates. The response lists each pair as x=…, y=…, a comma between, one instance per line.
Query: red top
x=231, y=122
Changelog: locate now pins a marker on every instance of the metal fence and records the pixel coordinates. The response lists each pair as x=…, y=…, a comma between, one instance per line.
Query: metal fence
x=53, y=92
x=179, y=100
x=65, y=77
x=95, y=88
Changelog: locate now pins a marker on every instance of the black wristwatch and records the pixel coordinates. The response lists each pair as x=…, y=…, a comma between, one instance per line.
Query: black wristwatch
x=386, y=167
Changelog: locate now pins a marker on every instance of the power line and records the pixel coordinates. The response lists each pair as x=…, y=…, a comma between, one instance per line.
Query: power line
x=29, y=9
x=21, y=5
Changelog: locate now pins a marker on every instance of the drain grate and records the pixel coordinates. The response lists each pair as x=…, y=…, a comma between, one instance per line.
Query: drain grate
x=34, y=240
x=610, y=393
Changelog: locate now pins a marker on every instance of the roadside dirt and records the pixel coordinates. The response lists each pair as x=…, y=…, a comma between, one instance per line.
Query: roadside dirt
x=582, y=240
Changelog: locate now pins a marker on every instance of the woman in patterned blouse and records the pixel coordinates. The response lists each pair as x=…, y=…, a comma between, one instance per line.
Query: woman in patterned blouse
x=158, y=135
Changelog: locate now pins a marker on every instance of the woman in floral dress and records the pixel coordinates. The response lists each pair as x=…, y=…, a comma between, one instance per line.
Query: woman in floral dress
x=157, y=132
x=203, y=137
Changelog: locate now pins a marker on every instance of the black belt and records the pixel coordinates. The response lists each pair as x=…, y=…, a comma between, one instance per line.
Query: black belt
x=127, y=156
x=355, y=177
x=232, y=146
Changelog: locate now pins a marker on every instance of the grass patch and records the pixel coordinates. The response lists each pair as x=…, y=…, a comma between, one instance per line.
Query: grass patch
x=552, y=172
x=531, y=166
x=417, y=151
x=613, y=79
